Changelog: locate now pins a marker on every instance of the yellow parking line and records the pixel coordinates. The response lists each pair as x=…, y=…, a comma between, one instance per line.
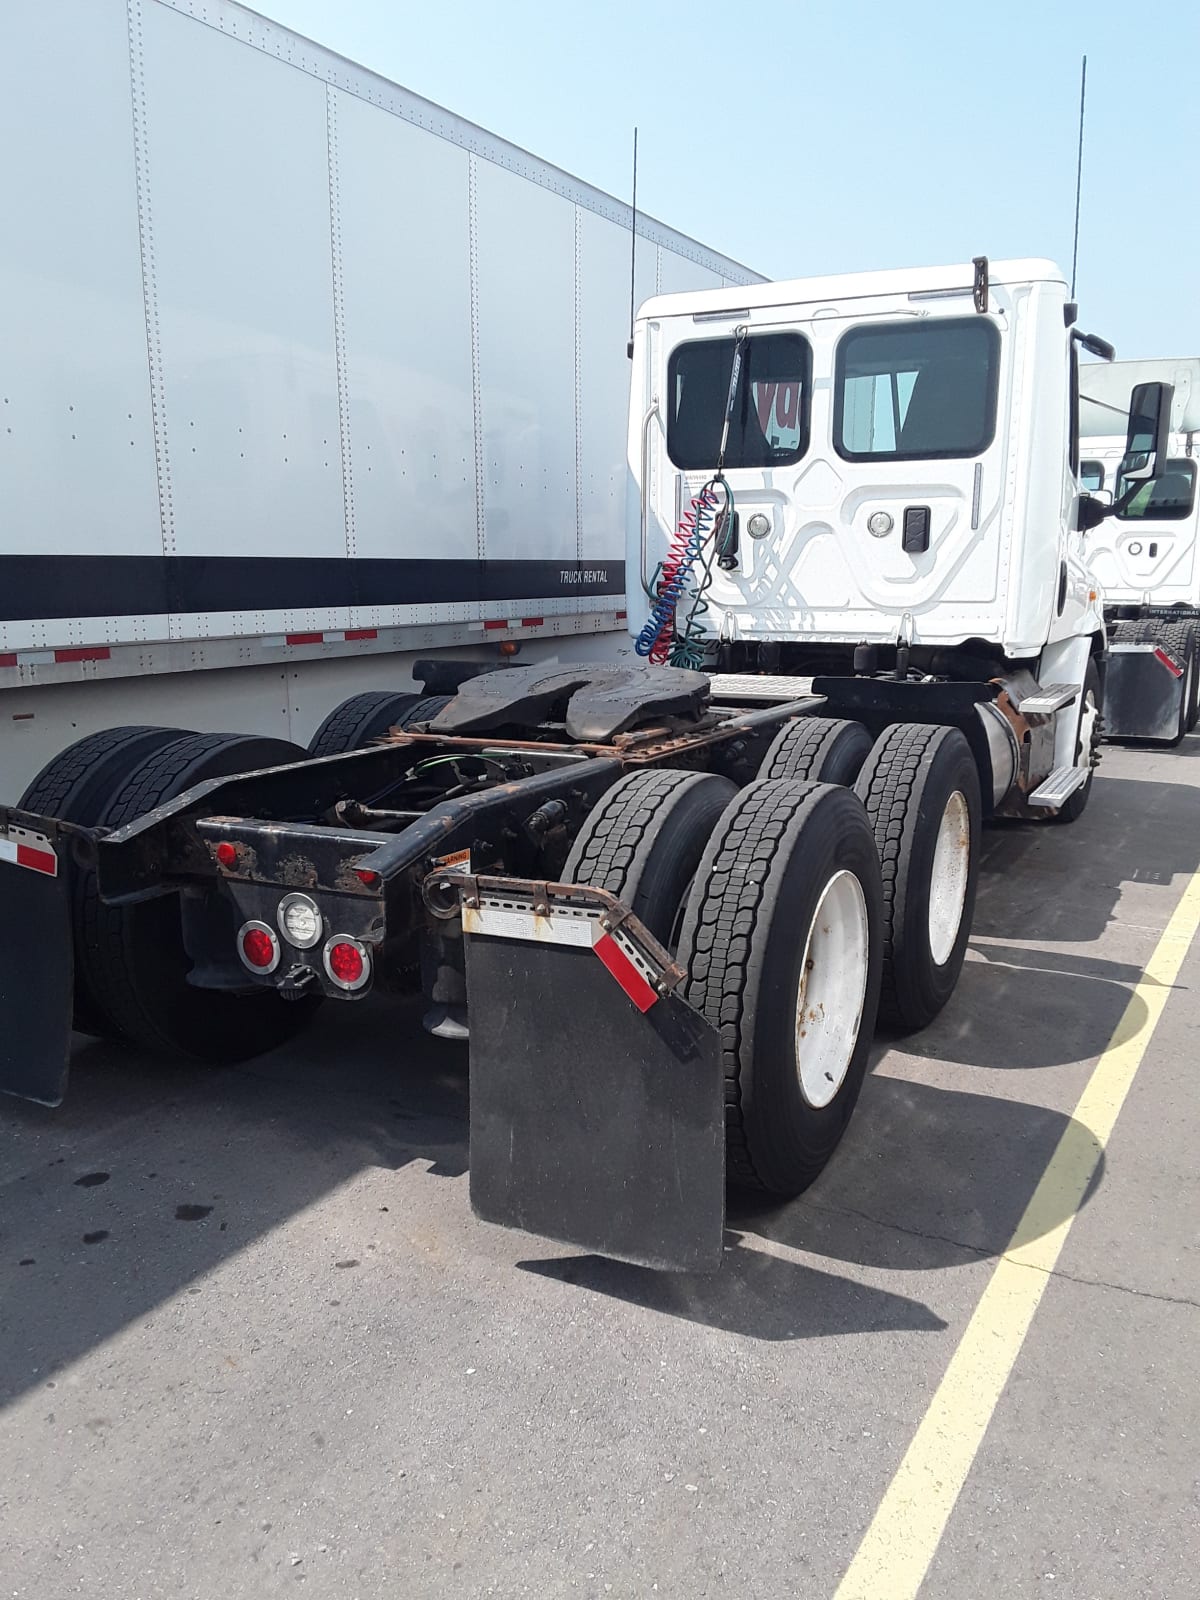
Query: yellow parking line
x=894, y=1556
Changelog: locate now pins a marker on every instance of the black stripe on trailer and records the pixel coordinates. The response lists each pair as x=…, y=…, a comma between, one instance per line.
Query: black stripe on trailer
x=37, y=586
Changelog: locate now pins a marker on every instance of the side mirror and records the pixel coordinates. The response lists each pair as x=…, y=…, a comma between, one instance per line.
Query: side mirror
x=1093, y=508
x=1149, y=429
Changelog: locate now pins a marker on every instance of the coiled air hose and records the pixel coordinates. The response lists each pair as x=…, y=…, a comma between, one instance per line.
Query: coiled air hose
x=711, y=509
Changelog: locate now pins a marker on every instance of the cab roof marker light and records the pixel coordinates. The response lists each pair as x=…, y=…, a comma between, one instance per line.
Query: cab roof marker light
x=720, y=316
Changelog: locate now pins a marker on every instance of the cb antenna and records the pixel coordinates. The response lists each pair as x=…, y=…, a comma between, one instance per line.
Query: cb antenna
x=633, y=250
x=1079, y=174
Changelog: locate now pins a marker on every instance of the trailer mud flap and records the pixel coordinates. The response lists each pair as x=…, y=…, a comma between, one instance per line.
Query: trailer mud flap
x=1143, y=692
x=597, y=1095
x=36, y=964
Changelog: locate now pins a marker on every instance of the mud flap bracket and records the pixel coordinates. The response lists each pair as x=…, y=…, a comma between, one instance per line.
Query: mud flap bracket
x=597, y=1095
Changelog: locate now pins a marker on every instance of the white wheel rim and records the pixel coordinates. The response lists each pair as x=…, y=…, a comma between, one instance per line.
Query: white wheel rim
x=1087, y=731
x=833, y=986
x=948, y=880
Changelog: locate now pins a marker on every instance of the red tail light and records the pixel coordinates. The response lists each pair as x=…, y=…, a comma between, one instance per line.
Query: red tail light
x=347, y=961
x=258, y=947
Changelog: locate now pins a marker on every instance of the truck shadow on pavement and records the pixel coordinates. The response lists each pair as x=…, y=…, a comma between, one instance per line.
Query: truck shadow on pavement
x=1067, y=884
x=926, y=1179
x=151, y=1175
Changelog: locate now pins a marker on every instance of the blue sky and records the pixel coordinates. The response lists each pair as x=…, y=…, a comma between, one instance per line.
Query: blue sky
x=806, y=138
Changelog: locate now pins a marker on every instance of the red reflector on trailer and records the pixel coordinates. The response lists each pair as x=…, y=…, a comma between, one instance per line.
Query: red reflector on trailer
x=87, y=652
x=258, y=947
x=226, y=853
x=305, y=638
x=362, y=633
x=8, y=659
x=1169, y=662
x=624, y=971
x=533, y=622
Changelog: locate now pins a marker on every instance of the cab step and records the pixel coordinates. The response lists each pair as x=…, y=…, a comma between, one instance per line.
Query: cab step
x=1059, y=786
x=1052, y=698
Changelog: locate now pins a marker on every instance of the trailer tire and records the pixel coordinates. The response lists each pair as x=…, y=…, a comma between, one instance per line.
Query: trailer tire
x=1076, y=804
x=75, y=787
x=133, y=955
x=818, y=750
x=425, y=709
x=644, y=840
x=920, y=787
x=359, y=720
x=781, y=945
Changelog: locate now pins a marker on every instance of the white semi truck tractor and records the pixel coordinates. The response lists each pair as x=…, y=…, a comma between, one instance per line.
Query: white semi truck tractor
x=1146, y=554
x=665, y=901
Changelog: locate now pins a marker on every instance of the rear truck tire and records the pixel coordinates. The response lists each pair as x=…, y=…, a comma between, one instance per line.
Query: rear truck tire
x=1091, y=735
x=644, y=840
x=817, y=749
x=781, y=943
x=920, y=787
x=133, y=955
x=358, y=720
x=75, y=787
x=1189, y=643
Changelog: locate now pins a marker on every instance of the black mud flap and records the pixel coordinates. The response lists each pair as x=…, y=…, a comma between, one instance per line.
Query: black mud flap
x=597, y=1095
x=1142, y=692
x=36, y=960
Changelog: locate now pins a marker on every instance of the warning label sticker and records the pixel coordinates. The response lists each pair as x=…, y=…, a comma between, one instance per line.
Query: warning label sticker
x=458, y=861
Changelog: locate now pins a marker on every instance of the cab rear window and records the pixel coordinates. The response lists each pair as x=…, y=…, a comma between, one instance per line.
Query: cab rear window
x=770, y=423
x=917, y=391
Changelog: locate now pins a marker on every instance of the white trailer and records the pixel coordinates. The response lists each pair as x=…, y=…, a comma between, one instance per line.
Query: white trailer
x=1147, y=555
x=304, y=377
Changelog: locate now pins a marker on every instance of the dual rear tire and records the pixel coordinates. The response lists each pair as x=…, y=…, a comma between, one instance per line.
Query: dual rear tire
x=131, y=965
x=800, y=910
x=770, y=898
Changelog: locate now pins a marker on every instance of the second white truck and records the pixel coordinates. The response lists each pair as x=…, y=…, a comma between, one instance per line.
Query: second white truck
x=1147, y=553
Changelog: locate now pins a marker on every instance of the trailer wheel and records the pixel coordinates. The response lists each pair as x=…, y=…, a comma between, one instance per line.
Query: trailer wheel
x=781, y=946
x=921, y=790
x=1091, y=734
x=644, y=840
x=358, y=720
x=74, y=787
x=133, y=955
x=425, y=709
x=817, y=749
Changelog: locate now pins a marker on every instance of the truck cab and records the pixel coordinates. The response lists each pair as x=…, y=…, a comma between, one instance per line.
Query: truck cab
x=901, y=456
